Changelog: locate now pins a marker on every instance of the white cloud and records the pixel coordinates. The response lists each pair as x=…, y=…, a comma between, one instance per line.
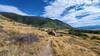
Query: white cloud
x=92, y=9
x=89, y=20
x=55, y=9
x=58, y=7
x=12, y=9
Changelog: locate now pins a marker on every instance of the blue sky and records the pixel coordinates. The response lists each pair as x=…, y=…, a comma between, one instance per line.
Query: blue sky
x=31, y=7
x=77, y=13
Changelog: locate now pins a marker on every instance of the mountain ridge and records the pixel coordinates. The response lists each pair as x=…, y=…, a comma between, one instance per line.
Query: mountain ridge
x=36, y=21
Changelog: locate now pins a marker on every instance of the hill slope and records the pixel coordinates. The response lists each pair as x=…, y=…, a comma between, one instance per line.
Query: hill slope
x=17, y=39
x=36, y=21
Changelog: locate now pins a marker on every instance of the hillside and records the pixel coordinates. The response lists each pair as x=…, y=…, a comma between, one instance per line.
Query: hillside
x=17, y=39
x=35, y=21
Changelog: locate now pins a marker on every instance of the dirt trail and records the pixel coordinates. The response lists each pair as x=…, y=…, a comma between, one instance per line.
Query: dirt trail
x=46, y=50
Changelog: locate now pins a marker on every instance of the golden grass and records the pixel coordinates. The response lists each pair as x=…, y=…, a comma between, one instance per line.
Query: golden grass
x=66, y=45
x=62, y=48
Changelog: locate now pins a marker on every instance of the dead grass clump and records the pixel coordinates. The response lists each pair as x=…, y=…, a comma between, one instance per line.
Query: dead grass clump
x=22, y=38
x=96, y=49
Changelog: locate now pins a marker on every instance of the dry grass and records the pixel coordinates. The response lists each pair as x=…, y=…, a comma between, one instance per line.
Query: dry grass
x=14, y=35
x=65, y=47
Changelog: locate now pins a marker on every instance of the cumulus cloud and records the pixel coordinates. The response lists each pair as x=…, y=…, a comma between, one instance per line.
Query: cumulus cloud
x=67, y=10
x=55, y=8
x=12, y=9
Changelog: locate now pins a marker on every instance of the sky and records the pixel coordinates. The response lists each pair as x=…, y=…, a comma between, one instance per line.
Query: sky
x=77, y=13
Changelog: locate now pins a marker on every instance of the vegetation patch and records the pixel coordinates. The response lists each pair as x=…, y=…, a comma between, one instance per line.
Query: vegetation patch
x=78, y=33
x=22, y=38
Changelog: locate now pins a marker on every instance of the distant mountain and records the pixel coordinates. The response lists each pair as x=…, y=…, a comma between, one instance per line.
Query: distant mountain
x=95, y=27
x=36, y=21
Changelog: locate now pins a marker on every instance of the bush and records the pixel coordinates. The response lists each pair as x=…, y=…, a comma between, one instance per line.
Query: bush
x=76, y=33
x=95, y=37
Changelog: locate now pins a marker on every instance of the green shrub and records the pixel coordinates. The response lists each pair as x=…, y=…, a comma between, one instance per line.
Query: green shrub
x=76, y=33
x=95, y=37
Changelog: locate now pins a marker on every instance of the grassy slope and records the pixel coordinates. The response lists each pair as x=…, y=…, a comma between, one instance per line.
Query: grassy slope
x=37, y=21
x=13, y=42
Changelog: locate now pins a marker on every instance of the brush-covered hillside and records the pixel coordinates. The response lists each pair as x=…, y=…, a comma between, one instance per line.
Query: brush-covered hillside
x=35, y=21
x=20, y=39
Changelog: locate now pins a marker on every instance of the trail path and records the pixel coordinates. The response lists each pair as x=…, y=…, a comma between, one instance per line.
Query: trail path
x=46, y=50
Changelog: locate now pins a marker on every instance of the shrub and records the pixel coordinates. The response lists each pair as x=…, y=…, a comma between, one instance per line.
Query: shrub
x=76, y=33
x=95, y=37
